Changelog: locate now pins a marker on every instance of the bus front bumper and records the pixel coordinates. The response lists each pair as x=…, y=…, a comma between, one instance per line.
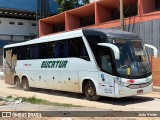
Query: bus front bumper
x=122, y=91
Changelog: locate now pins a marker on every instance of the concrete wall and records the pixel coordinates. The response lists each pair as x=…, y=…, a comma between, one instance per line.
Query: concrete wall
x=155, y=63
x=15, y=29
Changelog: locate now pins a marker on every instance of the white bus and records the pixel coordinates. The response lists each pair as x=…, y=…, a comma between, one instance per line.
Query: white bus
x=96, y=62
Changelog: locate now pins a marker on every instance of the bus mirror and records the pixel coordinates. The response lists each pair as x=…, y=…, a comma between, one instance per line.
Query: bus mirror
x=113, y=47
x=155, y=51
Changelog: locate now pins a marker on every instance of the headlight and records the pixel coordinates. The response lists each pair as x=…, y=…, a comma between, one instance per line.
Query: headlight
x=124, y=84
x=119, y=82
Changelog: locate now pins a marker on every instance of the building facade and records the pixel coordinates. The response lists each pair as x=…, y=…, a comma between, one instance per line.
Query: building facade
x=16, y=26
x=18, y=19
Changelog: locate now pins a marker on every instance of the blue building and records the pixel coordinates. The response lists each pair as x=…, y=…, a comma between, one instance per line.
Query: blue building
x=29, y=5
x=19, y=19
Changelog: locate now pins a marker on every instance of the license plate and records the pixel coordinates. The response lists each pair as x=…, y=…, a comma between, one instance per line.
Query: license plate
x=140, y=92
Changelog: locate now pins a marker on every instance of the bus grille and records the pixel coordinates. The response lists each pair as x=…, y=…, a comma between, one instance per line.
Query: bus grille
x=136, y=86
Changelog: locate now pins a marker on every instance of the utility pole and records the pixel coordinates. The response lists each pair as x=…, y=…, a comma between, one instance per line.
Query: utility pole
x=37, y=32
x=121, y=15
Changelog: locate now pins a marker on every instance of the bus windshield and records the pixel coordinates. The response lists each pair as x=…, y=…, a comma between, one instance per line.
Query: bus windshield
x=133, y=60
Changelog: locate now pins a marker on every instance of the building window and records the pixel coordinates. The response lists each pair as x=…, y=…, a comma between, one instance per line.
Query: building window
x=33, y=24
x=158, y=4
x=20, y=23
x=129, y=11
x=87, y=21
x=59, y=27
x=11, y=23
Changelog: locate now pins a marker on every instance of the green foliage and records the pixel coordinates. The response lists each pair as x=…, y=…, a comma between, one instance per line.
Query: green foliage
x=8, y=97
x=68, y=4
x=34, y=100
x=86, y=1
x=65, y=5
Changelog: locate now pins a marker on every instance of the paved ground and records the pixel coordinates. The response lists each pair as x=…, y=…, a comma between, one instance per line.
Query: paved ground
x=148, y=102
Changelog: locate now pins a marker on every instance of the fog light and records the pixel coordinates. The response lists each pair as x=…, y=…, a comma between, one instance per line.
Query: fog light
x=120, y=92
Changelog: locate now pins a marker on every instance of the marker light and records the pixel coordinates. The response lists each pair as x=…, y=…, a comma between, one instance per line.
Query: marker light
x=131, y=81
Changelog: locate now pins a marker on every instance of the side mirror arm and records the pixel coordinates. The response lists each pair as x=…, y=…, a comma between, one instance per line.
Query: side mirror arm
x=113, y=47
x=155, y=51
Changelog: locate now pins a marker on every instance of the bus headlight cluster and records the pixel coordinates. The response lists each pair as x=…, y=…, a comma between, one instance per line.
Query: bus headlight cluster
x=124, y=84
x=119, y=82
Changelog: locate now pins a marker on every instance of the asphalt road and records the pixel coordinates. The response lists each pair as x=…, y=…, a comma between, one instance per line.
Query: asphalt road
x=148, y=102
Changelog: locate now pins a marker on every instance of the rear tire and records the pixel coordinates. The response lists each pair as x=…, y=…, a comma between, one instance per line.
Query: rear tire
x=17, y=83
x=25, y=84
x=90, y=91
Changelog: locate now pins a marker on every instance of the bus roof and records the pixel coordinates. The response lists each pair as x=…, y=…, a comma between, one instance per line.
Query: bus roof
x=111, y=33
x=60, y=36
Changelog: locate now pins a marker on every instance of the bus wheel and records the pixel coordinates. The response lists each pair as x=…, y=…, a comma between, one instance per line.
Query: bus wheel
x=17, y=83
x=90, y=91
x=25, y=84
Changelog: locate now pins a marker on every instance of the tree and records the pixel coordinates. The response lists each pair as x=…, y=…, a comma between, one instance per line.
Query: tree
x=65, y=5
x=70, y=4
x=86, y=1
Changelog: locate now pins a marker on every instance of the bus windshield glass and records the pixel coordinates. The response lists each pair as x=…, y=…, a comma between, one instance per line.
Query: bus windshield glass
x=133, y=60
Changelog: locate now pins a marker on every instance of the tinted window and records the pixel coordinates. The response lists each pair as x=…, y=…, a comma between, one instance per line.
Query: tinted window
x=93, y=40
x=23, y=53
x=43, y=50
x=34, y=51
x=105, y=60
x=77, y=49
x=61, y=49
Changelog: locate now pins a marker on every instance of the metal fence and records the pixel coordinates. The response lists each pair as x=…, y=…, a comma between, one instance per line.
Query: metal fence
x=149, y=32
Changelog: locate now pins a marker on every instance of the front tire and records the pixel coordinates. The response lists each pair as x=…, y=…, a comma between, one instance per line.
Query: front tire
x=90, y=91
x=25, y=84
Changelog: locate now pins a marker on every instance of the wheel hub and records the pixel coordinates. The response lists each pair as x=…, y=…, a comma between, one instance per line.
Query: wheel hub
x=90, y=91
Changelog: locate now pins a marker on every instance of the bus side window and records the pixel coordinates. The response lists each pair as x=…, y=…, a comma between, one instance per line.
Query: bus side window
x=31, y=51
x=20, y=53
x=44, y=50
x=60, y=49
x=106, y=64
x=77, y=48
x=36, y=51
x=50, y=50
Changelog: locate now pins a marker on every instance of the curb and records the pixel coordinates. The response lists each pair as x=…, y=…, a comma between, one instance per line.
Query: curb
x=156, y=88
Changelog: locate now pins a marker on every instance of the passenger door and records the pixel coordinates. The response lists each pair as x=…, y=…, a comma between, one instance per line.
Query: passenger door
x=106, y=77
